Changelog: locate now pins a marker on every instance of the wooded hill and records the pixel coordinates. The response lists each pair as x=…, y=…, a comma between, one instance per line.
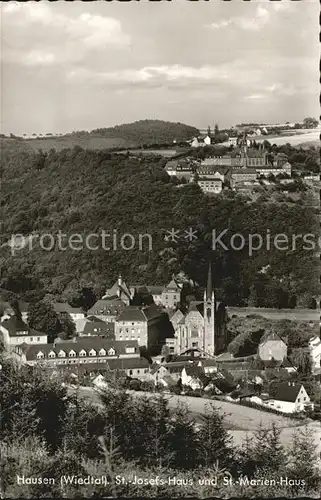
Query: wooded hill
x=138, y=134
x=79, y=191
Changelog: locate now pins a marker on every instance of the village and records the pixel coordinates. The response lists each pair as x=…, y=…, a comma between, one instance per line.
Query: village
x=151, y=338
x=238, y=164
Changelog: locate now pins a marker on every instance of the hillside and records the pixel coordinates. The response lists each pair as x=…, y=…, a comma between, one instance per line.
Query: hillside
x=140, y=133
x=83, y=192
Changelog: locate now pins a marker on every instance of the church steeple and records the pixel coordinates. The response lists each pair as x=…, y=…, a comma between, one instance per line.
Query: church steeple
x=209, y=315
x=209, y=286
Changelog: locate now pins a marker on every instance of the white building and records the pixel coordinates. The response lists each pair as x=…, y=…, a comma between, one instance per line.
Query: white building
x=289, y=398
x=211, y=186
x=16, y=332
x=191, y=377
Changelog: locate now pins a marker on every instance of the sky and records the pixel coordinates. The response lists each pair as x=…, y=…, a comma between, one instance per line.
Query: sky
x=69, y=66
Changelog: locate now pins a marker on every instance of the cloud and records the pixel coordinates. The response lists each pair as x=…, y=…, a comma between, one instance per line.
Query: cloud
x=87, y=31
x=260, y=19
x=255, y=97
x=40, y=58
x=174, y=75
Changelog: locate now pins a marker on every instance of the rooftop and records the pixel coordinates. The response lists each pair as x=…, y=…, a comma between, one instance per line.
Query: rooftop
x=286, y=391
x=138, y=313
x=64, y=307
x=111, y=307
x=17, y=327
x=82, y=344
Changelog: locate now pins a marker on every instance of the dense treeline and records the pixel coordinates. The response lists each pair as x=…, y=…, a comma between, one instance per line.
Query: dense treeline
x=82, y=192
x=149, y=131
x=47, y=432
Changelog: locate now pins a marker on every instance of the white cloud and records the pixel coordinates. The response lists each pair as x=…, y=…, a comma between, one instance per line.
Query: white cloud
x=255, y=97
x=40, y=58
x=166, y=74
x=89, y=31
x=255, y=22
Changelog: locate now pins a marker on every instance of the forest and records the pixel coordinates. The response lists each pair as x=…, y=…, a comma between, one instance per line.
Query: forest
x=77, y=191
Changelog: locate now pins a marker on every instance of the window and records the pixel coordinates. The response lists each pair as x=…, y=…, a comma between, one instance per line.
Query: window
x=137, y=371
x=304, y=399
x=299, y=400
x=82, y=353
x=130, y=372
x=129, y=350
x=31, y=339
x=38, y=339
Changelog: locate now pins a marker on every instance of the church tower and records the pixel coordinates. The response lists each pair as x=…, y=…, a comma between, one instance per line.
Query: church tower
x=209, y=315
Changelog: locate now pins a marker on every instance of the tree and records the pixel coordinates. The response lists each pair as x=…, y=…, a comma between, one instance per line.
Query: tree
x=43, y=318
x=310, y=123
x=214, y=439
x=182, y=439
x=301, y=359
x=302, y=458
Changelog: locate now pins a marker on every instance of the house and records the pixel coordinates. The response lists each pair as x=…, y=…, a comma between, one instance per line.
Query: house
x=82, y=350
x=15, y=332
x=171, y=294
x=244, y=174
x=209, y=365
x=140, y=323
x=64, y=308
x=101, y=328
x=192, y=377
x=210, y=186
x=288, y=397
x=272, y=347
x=182, y=169
x=213, y=171
x=167, y=381
x=111, y=369
x=119, y=290
x=107, y=309
x=232, y=141
x=156, y=293
x=174, y=368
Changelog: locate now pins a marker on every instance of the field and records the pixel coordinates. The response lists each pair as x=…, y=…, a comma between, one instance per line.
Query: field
x=59, y=143
x=312, y=138
x=291, y=314
x=240, y=420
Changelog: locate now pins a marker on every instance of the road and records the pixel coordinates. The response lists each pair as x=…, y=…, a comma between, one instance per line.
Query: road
x=241, y=420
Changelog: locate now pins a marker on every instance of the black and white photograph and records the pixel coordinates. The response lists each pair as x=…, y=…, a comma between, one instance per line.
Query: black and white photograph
x=160, y=249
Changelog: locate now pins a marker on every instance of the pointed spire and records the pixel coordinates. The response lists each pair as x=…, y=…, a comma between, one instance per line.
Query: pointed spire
x=209, y=287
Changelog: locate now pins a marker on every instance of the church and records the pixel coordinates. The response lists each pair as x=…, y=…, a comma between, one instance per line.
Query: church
x=202, y=328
